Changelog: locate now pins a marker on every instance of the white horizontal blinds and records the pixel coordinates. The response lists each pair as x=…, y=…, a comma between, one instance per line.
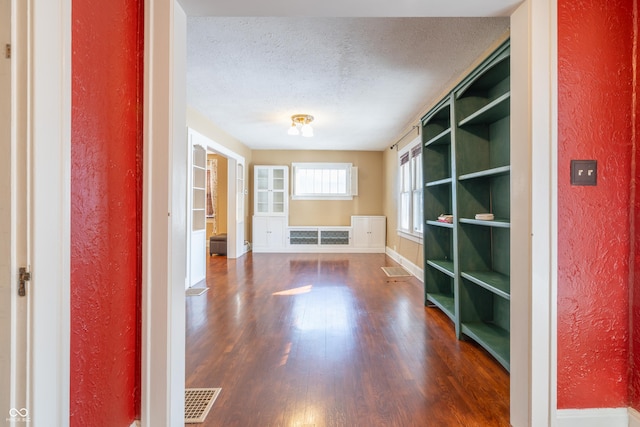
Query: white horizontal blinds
x=416, y=181
x=322, y=179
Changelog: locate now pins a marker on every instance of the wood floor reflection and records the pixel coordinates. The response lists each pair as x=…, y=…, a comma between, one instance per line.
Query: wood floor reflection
x=329, y=340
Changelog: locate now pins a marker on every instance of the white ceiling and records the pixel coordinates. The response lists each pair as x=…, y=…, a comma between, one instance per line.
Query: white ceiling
x=363, y=79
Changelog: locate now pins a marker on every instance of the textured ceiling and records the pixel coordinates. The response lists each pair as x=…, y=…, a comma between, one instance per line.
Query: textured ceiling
x=363, y=79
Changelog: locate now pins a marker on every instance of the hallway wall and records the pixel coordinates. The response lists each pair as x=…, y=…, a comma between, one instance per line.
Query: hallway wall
x=595, y=75
x=106, y=155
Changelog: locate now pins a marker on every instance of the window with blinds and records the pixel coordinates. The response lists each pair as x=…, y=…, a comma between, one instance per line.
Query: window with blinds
x=410, y=204
x=312, y=181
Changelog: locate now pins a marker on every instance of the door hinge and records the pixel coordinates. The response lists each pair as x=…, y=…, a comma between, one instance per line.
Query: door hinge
x=7, y=50
x=23, y=277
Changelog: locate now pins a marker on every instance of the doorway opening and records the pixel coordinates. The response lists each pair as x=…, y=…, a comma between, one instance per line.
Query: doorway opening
x=223, y=200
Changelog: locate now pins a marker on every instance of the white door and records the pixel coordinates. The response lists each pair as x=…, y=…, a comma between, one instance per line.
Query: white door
x=14, y=404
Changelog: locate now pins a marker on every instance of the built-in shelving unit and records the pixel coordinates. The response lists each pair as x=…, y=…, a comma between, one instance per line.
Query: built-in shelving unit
x=466, y=166
x=198, y=183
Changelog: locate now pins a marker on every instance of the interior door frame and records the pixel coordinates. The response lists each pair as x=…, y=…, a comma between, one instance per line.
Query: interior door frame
x=47, y=51
x=235, y=196
x=49, y=77
x=535, y=401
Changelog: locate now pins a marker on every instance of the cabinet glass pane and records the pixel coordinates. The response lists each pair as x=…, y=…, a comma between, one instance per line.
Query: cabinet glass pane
x=278, y=179
x=278, y=202
x=263, y=201
x=263, y=179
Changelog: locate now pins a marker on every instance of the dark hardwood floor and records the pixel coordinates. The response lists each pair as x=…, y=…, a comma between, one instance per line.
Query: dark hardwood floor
x=329, y=340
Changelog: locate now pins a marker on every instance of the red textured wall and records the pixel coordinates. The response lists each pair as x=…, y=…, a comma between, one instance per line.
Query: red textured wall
x=634, y=279
x=595, y=40
x=105, y=211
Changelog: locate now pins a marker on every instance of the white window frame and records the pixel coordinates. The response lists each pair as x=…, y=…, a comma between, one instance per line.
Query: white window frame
x=410, y=185
x=347, y=167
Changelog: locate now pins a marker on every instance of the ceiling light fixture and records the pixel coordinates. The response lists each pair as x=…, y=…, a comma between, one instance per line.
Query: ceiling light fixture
x=300, y=124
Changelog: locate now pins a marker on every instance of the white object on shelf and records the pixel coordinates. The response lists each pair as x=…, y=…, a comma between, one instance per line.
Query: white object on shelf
x=485, y=216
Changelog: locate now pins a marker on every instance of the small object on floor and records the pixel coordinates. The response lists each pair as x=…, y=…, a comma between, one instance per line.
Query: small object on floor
x=445, y=218
x=218, y=244
x=485, y=216
x=194, y=292
x=198, y=402
x=395, y=272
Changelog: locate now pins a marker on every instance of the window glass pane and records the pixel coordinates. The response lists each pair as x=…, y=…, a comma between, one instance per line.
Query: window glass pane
x=405, y=199
x=418, y=174
x=315, y=180
x=406, y=177
x=417, y=211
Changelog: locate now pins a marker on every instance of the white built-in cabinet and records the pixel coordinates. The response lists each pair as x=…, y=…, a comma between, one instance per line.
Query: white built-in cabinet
x=198, y=216
x=271, y=231
x=270, y=207
x=369, y=232
x=268, y=233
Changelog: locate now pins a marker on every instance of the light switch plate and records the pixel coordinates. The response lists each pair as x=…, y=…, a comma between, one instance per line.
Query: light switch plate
x=584, y=172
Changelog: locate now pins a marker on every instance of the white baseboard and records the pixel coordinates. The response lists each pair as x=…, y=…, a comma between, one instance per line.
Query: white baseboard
x=634, y=418
x=596, y=417
x=408, y=265
x=136, y=423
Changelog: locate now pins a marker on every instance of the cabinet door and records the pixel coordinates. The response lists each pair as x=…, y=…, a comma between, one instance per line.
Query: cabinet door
x=268, y=232
x=275, y=235
x=260, y=228
x=369, y=231
x=262, y=190
x=377, y=232
x=360, y=232
x=278, y=194
x=271, y=187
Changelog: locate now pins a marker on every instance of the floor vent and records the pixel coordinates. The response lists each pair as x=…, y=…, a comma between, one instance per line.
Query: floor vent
x=395, y=272
x=194, y=292
x=198, y=402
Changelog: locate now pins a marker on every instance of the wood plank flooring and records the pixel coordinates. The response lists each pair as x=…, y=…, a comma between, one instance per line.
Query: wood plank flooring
x=329, y=340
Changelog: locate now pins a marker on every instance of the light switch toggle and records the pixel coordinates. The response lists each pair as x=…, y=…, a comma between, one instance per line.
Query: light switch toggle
x=584, y=172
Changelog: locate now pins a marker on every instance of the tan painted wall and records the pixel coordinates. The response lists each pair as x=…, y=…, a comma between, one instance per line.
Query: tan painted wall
x=332, y=212
x=221, y=191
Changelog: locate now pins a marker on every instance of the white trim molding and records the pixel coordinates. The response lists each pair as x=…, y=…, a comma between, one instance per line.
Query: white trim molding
x=634, y=417
x=164, y=215
x=592, y=417
x=49, y=145
x=408, y=265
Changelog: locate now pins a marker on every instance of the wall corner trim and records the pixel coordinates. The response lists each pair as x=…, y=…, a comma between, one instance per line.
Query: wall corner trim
x=634, y=417
x=594, y=417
